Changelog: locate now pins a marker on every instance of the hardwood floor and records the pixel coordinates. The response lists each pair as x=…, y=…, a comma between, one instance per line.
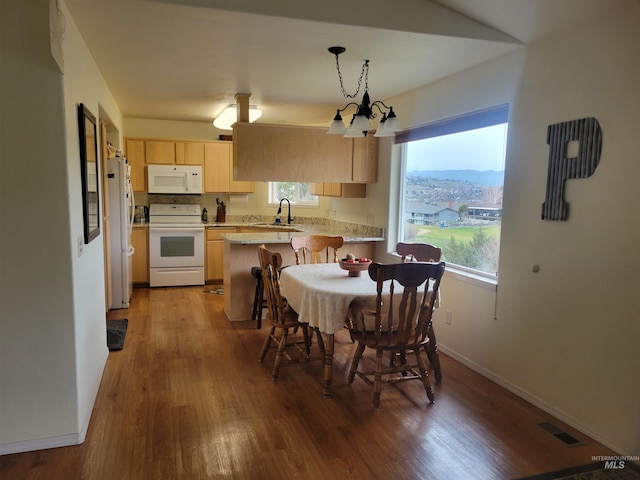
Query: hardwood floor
x=187, y=399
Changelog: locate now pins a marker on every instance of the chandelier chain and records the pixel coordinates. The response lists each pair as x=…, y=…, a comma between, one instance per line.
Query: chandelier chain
x=363, y=74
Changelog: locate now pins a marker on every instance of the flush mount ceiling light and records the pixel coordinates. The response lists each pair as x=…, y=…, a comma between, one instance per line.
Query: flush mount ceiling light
x=360, y=124
x=229, y=116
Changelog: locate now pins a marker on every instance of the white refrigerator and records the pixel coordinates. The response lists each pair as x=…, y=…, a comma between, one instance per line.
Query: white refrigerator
x=121, y=209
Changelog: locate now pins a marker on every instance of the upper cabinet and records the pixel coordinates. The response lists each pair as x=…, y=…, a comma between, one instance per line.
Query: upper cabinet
x=134, y=150
x=302, y=154
x=215, y=156
x=344, y=190
x=160, y=152
x=190, y=153
x=238, y=186
x=217, y=167
x=218, y=170
x=365, y=159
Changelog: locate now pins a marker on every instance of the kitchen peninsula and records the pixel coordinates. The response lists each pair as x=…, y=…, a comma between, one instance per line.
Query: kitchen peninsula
x=241, y=253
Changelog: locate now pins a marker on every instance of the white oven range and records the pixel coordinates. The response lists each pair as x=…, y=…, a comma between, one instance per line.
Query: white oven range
x=176, y=245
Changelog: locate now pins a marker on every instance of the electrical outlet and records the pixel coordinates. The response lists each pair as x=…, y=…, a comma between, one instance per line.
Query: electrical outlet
x=448, y=318
x=80, y=245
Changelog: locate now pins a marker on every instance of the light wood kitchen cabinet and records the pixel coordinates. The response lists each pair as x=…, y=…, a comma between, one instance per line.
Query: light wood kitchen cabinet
x=287, y=153
x=190, y=153
x=160, y=152
x=140, y=259
x=216, y=167
x=316, y=188
x=302, y=154
x=218, y=170
x=134, y=151
x=343, y=190
x=238, y=186
x=215, y=253
x=365, y=160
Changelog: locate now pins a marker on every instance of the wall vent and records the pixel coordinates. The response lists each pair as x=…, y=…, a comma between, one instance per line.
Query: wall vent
x=564, y=437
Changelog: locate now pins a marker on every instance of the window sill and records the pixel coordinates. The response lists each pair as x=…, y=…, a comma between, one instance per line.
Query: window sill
x=466, y=276
x=472, y=278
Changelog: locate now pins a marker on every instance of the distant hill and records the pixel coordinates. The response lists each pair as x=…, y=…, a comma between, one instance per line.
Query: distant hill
x=489, y=178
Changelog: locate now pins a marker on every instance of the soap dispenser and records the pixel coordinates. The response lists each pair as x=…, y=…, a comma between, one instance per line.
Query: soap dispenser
x=204, y=215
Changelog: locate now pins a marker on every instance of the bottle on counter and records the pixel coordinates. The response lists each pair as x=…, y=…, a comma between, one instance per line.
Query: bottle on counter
x=204, y=215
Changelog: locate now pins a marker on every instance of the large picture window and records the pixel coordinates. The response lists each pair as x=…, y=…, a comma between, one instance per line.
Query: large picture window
x=452, y=187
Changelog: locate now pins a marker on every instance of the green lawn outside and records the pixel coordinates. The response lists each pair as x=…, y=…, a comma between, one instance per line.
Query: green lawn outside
x=439, y=236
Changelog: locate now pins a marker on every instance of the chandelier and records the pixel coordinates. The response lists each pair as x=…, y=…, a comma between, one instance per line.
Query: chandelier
x=360, y=125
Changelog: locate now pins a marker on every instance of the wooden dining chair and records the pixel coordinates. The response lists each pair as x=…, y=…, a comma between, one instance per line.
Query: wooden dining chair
x=283, y=319
x=420, y=252
x=400, y=329
x=314, y=245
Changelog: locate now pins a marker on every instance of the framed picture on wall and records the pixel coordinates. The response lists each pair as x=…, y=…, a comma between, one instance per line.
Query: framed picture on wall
x=89, y=171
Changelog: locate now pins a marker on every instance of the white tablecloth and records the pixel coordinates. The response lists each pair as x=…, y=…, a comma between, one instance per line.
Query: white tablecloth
x=321, y=293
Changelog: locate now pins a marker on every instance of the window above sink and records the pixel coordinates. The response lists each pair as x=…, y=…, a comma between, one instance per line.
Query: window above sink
x=297, y=193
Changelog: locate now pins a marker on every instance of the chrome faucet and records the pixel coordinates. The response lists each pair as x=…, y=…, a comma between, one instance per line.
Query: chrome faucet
x=289, y=219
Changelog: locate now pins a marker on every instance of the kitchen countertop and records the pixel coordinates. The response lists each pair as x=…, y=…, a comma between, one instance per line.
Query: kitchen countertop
x=351, y=232
x=285, y=237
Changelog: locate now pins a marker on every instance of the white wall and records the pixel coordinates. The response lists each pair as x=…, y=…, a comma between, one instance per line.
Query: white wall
x=52, y=325
x=37, y=348
x=83, y=83
x=565, y=338
x=575, y=325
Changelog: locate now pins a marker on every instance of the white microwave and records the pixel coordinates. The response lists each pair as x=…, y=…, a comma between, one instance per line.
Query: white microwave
x=176, y=179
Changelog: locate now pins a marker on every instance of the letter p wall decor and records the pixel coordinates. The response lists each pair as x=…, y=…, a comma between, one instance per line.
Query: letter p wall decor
x=588, y=134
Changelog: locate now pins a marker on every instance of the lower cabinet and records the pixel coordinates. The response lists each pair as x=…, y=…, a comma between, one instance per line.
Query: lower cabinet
x=140, y=259
x=215, y=253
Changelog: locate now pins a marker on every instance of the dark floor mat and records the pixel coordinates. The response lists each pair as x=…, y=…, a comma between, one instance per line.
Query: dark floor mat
x=116, y=331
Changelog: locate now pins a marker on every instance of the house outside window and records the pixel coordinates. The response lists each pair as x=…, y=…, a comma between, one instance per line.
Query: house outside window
x=297, y=193
x=453, y=176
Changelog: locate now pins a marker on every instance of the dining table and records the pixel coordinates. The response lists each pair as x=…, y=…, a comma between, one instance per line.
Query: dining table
x=321, y=294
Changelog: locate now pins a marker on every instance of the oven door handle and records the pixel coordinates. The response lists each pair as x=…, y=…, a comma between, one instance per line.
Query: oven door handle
x=180, y=230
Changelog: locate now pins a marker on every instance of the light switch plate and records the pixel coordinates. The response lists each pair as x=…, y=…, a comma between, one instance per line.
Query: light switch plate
x=80, y=245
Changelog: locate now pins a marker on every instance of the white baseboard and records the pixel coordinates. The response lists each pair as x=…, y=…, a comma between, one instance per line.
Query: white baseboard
x=538, y=402
x=41, y=444
x=60, y=440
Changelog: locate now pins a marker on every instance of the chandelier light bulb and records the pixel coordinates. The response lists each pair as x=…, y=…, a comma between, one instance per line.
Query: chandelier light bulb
x=360, y=124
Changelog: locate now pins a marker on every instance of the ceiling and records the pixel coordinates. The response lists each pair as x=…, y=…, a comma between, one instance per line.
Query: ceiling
x=185, y=60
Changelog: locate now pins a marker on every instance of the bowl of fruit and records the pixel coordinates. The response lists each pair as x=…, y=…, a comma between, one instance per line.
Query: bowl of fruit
x=354, y=265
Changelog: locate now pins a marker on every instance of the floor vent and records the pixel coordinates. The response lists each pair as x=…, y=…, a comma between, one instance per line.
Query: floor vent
x=564, y=437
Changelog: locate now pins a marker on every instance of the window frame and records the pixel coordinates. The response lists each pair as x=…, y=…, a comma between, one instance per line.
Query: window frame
x=460, y=123
x=303, y=204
